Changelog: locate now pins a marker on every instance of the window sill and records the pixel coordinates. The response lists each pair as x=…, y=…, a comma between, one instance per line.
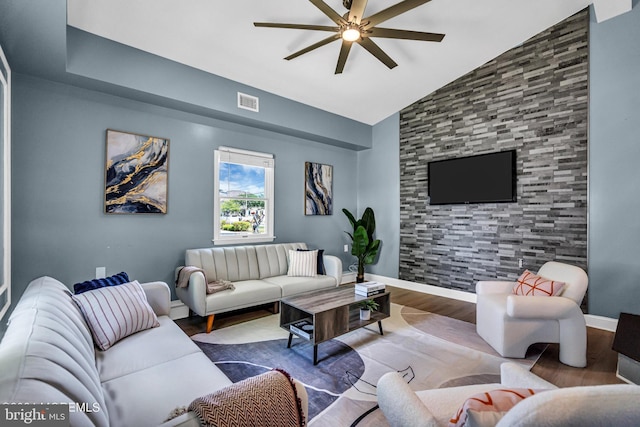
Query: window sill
x=243, y=240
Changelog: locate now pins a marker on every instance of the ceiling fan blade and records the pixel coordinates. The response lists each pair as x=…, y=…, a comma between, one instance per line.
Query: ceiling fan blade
x=357, y=10
x=375, y=50
x=393, y=11
x=344, y=53
x=332, y=14
x=391, y=33
x=296, y=26
x=313, y=46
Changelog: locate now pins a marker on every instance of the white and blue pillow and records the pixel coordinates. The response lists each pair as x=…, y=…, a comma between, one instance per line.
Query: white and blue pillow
x=88, y=285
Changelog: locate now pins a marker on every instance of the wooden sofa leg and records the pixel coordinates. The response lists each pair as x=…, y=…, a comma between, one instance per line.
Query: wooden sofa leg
x=210, y=322
x=276, y=307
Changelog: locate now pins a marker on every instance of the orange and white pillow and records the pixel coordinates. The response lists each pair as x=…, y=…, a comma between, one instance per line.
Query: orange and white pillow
x=529, y=284
x=486, y=409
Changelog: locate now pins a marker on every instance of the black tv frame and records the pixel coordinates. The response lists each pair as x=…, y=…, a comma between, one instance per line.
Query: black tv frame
x=514, y=178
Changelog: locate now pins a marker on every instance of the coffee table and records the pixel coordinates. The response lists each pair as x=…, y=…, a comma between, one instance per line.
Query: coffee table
x=333, y=312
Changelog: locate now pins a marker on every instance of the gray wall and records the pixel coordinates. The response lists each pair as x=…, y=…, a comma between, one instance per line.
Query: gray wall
x=379, y=187
x=533, y=99
x=614, y=175
x=59, y=227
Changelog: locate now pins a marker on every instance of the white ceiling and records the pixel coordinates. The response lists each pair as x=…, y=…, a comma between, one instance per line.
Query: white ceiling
x=219, y=37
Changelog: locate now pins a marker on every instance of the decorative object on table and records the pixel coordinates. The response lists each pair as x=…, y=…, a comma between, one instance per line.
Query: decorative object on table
x=366, y=307
x=302, y=328
x=368, y=289
x=136, y=173
x=363, y=245
x=318, y=184
x=626, y=343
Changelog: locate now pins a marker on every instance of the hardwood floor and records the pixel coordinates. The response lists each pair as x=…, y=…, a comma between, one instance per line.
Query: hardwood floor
x=601, y=360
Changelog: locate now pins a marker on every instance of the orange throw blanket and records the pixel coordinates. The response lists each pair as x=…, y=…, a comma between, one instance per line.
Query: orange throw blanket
x=266, y=400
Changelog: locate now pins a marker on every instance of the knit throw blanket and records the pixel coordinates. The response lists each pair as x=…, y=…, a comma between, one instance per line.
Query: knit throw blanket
x=266, y=400
x=182, y=281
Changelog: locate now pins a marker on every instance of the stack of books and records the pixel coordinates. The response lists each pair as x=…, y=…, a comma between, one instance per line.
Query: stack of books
x=302, y=328
x=369, y=289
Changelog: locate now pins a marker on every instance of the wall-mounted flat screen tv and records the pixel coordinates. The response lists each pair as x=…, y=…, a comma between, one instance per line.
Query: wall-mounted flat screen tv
x=485, y=178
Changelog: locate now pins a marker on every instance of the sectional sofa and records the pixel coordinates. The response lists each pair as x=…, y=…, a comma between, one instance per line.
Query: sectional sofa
x=48, y=355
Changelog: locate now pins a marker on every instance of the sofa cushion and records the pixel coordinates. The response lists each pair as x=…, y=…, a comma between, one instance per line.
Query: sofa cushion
x=88, y=285
x=115, y=312
x=303, y=263
x=529, y=284
x=295, y=285
x=146, y=397
x=488, y=407
x=246, y=294
x=151, y=347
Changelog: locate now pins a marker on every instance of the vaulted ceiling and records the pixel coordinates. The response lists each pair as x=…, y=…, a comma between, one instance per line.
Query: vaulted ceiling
x=220, y=38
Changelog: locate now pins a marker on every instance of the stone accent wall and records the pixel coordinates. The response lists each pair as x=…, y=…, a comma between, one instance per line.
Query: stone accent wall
x=532, y=98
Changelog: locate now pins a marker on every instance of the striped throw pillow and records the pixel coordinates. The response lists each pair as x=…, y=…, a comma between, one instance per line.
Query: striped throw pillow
x=303, y=263
x=115, y=312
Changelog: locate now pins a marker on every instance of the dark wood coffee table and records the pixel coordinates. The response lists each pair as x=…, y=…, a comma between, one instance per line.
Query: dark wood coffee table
x=333, y=312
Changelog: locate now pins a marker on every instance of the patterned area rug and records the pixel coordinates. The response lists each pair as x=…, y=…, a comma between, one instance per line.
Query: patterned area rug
x=431, y=351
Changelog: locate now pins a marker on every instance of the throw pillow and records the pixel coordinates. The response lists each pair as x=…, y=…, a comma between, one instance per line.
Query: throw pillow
x=116, y=279
x=303, y=263
x=486, y=409
x=115, y=312
x=321, y=269
x=530, y=284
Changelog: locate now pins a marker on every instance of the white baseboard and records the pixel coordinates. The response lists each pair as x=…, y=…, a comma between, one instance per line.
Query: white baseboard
x=593, y=321
x=178, y=310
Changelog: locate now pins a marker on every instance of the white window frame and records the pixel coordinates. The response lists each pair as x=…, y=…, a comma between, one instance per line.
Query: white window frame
x=252, y=158
x=5, y=285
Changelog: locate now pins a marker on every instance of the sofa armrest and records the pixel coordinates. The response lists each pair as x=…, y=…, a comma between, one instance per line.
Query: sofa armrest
x=195, y=294
x=333, y=267
x=486, y=287
x=158, y=297
x=400, y=405
x=541, y=307
x=513, y=375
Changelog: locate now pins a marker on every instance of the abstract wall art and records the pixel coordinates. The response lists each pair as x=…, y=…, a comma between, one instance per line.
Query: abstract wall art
x=318, y=189
x=136, y=173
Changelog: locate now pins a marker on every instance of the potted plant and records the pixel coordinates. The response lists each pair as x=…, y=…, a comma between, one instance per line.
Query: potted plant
x=363, y=245
x=366, y=307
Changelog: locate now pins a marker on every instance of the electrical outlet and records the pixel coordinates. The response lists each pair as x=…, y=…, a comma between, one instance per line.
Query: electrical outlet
x=101, y=272
x=346, y=248
x=520, y=262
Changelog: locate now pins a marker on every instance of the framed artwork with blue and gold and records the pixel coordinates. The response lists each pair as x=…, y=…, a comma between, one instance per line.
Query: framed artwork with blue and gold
x=136, y=173
x=318, y=184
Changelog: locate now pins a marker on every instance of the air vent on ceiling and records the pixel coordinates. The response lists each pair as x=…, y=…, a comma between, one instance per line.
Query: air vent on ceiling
x=248, y=102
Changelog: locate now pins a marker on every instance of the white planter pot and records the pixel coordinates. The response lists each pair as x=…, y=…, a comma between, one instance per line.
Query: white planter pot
x=365, y=314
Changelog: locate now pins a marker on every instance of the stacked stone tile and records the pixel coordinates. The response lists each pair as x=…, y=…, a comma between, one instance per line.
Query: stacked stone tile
x=533, y=98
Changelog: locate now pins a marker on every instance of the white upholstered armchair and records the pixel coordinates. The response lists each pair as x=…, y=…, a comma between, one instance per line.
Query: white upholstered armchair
x=511, y=323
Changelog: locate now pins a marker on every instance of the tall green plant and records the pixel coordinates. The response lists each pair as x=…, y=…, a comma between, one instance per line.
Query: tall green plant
x=364, y=246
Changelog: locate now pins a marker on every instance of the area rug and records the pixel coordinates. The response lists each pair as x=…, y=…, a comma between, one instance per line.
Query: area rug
x=429, y=350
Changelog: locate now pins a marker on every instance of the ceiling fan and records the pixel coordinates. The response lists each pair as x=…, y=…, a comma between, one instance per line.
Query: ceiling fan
x=353, y=28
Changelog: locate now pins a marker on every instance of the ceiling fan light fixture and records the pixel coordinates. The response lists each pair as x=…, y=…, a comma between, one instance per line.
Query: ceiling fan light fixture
x=351, y=33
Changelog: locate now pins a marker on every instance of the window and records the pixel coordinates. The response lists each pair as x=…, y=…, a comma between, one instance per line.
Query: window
x=5, y=185
x=243, y=202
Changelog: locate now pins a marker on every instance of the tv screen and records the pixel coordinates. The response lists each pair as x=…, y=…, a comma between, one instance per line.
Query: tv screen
x=485, y=178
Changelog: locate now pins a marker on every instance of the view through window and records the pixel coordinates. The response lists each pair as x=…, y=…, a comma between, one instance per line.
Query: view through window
x=244, y=196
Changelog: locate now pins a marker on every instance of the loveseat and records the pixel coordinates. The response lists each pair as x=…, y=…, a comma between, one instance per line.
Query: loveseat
x=48, y=355
x=258, y=273
x=586, y=406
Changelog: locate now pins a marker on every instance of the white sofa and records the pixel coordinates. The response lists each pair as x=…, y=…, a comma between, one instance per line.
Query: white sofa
x=259, y=274
x=597, y=406
x=48, y=355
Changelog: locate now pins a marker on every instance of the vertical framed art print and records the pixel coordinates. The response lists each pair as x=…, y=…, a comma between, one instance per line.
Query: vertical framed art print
x=136, y=173
x=318, y=183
